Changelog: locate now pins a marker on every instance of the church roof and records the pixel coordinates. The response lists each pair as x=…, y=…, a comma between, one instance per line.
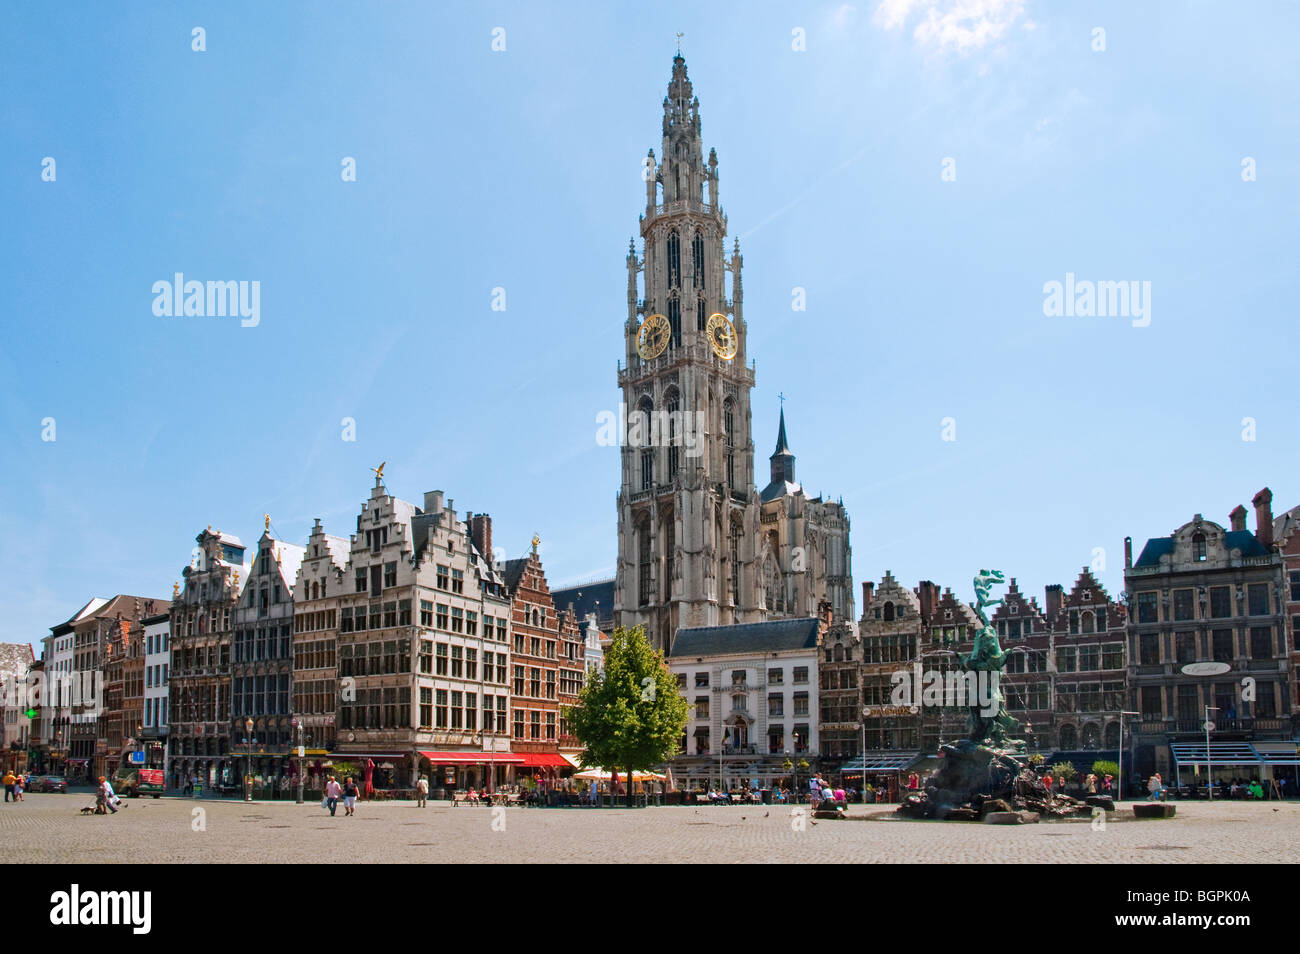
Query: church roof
x=772, y=636
x=595, y=597
x=780, y=488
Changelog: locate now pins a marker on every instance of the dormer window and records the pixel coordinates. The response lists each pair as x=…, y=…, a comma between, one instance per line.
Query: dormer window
x=1198, y=547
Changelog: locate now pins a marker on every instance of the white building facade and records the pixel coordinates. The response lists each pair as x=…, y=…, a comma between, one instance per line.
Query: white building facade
x=157, y=674
x=752, y=689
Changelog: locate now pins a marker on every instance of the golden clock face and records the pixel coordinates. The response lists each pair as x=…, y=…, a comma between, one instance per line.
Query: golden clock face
x=722, y=336
x=652, y=339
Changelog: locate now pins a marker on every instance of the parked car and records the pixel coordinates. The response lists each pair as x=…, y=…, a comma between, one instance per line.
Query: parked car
x=49, y=783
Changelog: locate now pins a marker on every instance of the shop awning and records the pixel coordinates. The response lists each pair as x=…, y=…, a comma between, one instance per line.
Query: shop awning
x=572, y=760
x=1236, y=753
x=543, y=760
x=341, y=756
x=472, y=758
x=883, y=762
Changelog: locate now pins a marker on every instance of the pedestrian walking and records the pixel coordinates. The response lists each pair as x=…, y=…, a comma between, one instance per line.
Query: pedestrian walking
x=332, y=792
x=20, y=782
x=350, y=793
x=421, y=792
x=1154, y=788
x=9, y=786
x=110, y=797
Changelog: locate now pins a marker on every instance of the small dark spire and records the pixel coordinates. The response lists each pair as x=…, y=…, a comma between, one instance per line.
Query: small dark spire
x=782, y=459
x=782, y=447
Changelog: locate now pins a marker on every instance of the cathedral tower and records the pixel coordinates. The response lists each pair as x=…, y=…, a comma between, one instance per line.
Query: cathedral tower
x=688, y=511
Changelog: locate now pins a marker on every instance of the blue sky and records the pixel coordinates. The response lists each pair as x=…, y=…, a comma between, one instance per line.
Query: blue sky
x=520, y=169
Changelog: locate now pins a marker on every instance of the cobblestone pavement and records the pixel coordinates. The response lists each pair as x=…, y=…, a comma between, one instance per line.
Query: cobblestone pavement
x=50, y=829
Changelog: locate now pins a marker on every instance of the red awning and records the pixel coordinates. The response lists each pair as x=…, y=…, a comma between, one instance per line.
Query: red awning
x=544, y=760
x=472, y=758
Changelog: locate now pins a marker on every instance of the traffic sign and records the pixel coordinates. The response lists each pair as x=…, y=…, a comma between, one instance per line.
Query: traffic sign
x=136, y=758
x=1208, y=726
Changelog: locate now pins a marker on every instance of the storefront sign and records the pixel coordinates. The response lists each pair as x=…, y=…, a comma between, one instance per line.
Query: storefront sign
x=872, y=712
x=1206, y=669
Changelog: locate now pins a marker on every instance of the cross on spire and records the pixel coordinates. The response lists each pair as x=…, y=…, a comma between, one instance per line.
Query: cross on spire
x=679, y=43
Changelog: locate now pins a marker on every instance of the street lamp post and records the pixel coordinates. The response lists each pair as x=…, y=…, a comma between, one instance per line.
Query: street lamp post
x=862, y=786
x=1209, y=764
x=248, y=760
x=302, y=752
x=1120, y=780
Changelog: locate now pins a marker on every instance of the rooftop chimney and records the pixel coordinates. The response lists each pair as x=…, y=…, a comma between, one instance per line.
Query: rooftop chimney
x=480, y=528
x=1055, y=599
x=1263, y=502
x=928, y=594
x=1128, y=553
x=433, y=501
x=868, y=590
x=1238, y=518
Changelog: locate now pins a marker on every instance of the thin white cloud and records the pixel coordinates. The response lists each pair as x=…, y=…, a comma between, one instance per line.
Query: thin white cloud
x=951, y=25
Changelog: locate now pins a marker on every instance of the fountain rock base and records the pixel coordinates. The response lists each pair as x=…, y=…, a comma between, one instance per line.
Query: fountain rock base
x=977, y=779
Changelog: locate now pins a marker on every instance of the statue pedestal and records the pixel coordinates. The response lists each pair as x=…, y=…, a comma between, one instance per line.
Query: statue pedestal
x=977, y=779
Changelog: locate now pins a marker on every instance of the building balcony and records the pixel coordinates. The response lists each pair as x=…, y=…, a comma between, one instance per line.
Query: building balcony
x=1267, y=725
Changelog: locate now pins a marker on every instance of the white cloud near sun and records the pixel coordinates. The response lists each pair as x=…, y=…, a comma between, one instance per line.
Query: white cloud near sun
x=960, y=26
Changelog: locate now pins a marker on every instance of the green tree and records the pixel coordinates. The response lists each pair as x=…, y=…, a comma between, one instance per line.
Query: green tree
x=629, y=716
x=1065, y=772
x=342, y=770
x=1102, y=767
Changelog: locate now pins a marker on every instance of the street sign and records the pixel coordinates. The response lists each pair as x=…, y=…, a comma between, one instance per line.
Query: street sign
x=136, y=758
x=1208, y=726
x=302, y=750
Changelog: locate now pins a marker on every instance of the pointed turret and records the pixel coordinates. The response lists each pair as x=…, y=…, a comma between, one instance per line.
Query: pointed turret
x=782, y=467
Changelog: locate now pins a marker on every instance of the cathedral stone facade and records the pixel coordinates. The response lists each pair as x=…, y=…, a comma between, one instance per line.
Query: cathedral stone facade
x=698, y=545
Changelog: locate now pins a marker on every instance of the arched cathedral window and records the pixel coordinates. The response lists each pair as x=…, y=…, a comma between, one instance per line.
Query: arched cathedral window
x=674, y=413
x=699, y=314
x=646, y=409
x=697, y=260
x=674, y=261
x=774, y=586
x=735, y=563
x=675, y=322
x=643, y=561
x=670, y=546
x=729, y=437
